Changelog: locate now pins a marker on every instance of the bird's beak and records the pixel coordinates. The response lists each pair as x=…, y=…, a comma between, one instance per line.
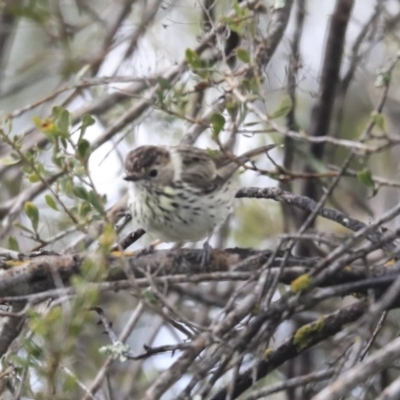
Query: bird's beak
x=132, y=177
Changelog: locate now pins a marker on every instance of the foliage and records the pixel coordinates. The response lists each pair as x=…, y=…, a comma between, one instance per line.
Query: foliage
x=81, y=83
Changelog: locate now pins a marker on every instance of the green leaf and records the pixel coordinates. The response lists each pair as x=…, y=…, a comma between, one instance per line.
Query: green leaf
x=63, y=122
x=84, y=209
x=69, y=384
x=58, y=158
x=57, y=111
x=32, y=213
x=284, y=107
x=379, y=120
x=242, y=55
x=81, y=192
x=94, y=200
x=193, y=59
x=217, y=121
x=383, y=79
x=51, y=202
x=87, y=120
x=33, y=178
x=84, y=149
x=9, y=161
x=164, y=83
x=213, y=153
x=13, y=243
x=365, y=177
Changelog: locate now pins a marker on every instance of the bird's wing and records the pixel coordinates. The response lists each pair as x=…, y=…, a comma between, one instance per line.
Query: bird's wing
x=198, y=168
x=208, y=170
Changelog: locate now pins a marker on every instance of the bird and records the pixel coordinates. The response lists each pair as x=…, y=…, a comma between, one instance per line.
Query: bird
x=183, y=193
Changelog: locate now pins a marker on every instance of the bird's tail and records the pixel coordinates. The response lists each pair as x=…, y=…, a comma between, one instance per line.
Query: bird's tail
x=255, y=152
x=231, y=165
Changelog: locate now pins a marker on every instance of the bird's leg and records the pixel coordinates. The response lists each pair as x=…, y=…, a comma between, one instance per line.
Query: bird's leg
x=206, y=253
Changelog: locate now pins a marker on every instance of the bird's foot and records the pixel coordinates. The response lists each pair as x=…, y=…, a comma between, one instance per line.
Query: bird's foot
x=206, y=254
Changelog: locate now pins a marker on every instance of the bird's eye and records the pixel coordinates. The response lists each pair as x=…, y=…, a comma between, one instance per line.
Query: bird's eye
x=153, y=173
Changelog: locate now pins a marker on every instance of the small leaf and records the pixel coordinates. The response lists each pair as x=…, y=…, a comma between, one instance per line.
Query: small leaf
x=94, y=200
x=87, y=120
x=33, y=178
x=56, y=112
x=379, y=120
x=242, y=55
x=365, y=177
x=84, y=149
x=9, y=161
x=193, y=59
x=32, y=213
x=213, y=153
x=84, y=209
x=13, y=243
x=284, y=107
x=64, y=121
x=58, y=158
x=383, y=79
x=164, y=83
x=217, y=121
x=80, y=192
x=51, y=202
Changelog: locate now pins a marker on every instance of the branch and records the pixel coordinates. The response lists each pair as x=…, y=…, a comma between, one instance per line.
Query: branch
x=309, y=205
x=350, y=378
x=305, y=337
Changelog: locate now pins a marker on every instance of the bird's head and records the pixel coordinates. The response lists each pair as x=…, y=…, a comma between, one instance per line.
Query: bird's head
x=149, y=165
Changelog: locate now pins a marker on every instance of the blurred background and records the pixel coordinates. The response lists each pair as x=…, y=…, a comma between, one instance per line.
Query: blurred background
x=82, y=82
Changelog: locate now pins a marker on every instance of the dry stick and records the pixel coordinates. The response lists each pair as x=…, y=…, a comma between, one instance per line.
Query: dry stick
x=263, y=56
x=310, y=205
x=107, y=364
x=11, y=327
x=355, y=60
x=128, y=240
x=323, y=107
x=350, y=157
x=291, y=383
x=289, y=303
x=294, y=65
x=375, y=333
x=121, y=11
x=16, y=203
x=379, y=181
x=291, y=348
x=145, y=22
x=78, y=381
x=8, y=23
x=347, y=381
x=166, y=379
x=391, y=392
